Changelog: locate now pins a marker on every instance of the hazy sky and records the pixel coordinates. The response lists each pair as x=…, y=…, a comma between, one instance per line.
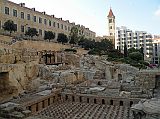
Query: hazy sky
x=143, y=15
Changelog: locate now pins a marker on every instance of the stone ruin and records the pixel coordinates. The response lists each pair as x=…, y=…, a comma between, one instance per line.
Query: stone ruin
x=31, y=76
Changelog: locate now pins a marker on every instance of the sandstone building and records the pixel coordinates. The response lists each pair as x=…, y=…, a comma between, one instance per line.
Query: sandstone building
x=25, y=18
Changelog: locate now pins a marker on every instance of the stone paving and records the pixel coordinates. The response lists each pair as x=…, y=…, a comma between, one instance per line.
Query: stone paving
x=70, y=110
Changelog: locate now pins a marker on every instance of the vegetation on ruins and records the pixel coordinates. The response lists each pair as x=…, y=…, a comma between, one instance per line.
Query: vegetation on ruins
x=73, y=36
x=135, y=57
x=31, y=32
x=9, y=26
x=70, y=50
x=62, y=38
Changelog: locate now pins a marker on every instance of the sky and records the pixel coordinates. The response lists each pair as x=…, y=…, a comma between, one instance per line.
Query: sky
x=141, y=15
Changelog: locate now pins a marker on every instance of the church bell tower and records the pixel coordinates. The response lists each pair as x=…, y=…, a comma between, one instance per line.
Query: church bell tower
x=111, y=23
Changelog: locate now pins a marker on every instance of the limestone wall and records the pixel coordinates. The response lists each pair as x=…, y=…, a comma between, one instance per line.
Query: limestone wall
x=40, y=45
x=19, y=76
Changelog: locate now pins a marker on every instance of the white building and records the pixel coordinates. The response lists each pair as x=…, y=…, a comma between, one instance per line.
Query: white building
x=136, y=39
x=156, y=51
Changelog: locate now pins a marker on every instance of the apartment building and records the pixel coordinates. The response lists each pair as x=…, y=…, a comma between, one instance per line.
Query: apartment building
x=136, y=39
x=156, y=50
x=25, y=18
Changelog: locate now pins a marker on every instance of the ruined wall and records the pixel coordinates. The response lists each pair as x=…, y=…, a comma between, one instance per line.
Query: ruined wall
x=19, y=75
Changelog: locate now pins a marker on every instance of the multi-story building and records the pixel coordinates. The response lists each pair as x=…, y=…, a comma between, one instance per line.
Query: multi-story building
x=156, y=50
x=136, y=39
x=25, y=18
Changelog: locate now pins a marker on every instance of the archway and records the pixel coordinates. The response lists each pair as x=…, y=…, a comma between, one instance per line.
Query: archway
x=121, y=103
x=87, y=100
x=111, y=102
x=103, y=101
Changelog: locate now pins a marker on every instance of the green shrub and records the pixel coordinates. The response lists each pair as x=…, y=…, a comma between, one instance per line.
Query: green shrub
x=70, y=50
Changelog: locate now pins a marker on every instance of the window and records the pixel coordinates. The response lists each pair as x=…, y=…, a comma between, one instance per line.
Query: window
x=7, y=10
x=14, y=13
x=40, y=20
x=68, y=28
x=57, y=25
x=110, y=33
x=40, y=32
x=22, y=15
x=54, y=24
x=61, y=26
x=110, y=20
x=34, y=18
x=28, y=16
x=65, y=27
x=95, y=101
x=110, y=27
x=45, y=21
x=50, y=23
x=0, y=25
x=22, y=28
x=16, y=26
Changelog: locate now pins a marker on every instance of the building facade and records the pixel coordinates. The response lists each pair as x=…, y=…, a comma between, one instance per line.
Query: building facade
x=25, y=18
x=136, y=39
x=156, y=51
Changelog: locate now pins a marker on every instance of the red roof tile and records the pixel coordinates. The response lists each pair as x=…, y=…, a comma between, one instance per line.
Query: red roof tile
x=110, y=13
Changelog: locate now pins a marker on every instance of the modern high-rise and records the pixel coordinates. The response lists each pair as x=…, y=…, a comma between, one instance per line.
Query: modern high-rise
x=156, y=50
x=136, y=39
x=25, y=18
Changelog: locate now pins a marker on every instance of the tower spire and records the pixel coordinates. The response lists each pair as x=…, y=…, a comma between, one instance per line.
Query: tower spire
x=110, y=13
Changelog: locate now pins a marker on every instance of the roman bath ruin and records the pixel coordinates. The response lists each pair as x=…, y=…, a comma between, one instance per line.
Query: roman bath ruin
x=38, y=84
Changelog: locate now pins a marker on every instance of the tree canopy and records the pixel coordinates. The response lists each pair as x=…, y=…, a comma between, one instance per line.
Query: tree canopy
x=49, y=35
x=125, y=50
x=32, y=32
x=137, y=56
x=73, y=37
x=62, y=38
x=9, y=26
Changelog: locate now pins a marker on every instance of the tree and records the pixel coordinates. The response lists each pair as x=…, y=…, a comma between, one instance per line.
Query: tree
x=136, y=56
x=74, y=35
x=49, y=35
x=62, y=38
x=125, y=50
x=9, y=26
x=32, y=32
x=142, y=52
x=130, y=50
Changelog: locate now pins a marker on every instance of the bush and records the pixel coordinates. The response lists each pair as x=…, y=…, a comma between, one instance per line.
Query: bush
x=94, y=52
x=70, y=50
